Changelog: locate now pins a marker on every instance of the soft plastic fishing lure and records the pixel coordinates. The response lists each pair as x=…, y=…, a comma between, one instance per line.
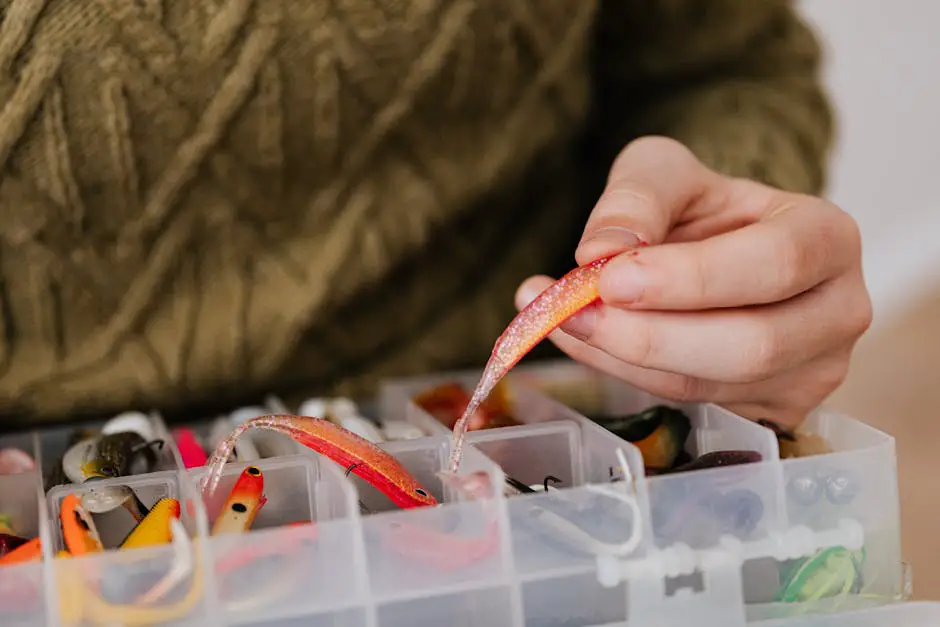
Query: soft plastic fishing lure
x=439, y=550
x=445, y=551
x=156, y=528
x=78, y=529
x=351, y=451
x=191, y=452
x=26, y=552
x=558, y=302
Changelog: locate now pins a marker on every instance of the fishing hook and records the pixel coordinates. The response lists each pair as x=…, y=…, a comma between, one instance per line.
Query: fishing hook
x=362, y=506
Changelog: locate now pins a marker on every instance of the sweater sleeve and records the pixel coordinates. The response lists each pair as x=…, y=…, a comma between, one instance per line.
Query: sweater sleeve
x=737, y=81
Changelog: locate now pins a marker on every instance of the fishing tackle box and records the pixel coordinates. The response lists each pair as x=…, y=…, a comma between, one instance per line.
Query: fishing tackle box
x=712, y=547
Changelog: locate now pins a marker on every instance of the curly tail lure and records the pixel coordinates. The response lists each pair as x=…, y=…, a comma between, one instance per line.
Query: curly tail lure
x=557, y=303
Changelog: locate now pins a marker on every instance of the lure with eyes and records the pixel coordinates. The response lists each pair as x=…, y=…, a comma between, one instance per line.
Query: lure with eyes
x=365, y=459
x=110, y=455
x=243, y=503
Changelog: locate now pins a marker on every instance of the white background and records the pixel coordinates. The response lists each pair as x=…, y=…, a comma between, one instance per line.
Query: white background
x=883, y=69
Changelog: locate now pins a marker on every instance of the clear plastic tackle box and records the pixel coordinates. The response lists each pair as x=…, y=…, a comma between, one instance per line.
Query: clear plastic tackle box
x=710, y=547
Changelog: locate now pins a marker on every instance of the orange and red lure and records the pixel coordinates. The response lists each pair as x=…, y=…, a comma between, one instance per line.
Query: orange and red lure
x=446, y=551
x=557, y=303
x=347, y=449
x=243, y=503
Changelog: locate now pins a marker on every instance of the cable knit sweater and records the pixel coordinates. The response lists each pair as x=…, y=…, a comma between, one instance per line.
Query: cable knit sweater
x=206, y=200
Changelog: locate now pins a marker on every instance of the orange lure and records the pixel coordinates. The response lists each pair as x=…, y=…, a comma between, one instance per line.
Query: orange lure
x=243, y=503
x=26, y=552
x=78, y=529
x=558, y=302
x=347, y=449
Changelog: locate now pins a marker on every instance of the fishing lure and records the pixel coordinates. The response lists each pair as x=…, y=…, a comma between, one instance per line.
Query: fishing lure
x=155, y=528
x=266, y=444
x=243, y=503
x=14, y=461
x=78, y=529
x=131, y=421
x=111, y=455
x=280, y=544
x=191, y=452
x=347, y=449
x=245, y=449
x=556, y=304
x=439, y=550
x=834, y=571
x=444, y=551
x=796, y=443
x=561, y=524
x=447, y=402
x=100, y=500
x=10, y=542
x=26, y=552
x=713, y=459
x=344, y=413
x=78, y=604
x=660, y=432
x=9, y=539
x=105, y=457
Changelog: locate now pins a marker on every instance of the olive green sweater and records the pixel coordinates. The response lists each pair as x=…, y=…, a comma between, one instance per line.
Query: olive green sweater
x=205, y=200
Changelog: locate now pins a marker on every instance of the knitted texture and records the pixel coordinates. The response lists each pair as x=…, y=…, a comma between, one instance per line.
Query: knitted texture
x=202, y=200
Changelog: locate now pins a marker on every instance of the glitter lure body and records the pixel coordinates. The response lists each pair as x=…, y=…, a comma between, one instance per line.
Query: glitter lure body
x=351, y=451
x=557, y=303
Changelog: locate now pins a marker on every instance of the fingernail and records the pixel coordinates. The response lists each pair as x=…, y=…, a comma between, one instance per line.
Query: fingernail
x=581, y=325
x=623, y=284
x=610, y=239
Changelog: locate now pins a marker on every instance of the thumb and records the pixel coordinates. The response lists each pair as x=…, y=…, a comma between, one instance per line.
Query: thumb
x=652, y=182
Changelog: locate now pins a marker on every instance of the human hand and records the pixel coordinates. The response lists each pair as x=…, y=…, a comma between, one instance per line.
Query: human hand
x=747, y=296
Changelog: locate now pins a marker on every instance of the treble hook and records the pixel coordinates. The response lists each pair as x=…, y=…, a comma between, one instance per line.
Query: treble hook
x=362, y=506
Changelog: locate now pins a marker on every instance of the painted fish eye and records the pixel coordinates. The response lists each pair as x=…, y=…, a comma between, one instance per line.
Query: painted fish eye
x=421, y=492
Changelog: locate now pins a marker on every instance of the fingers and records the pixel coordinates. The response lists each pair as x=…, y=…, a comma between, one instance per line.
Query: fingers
x=663, y=384
x=651, y=183
x=786, y=399
x=789, y=398
x=731, y=346
x=796, y=248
